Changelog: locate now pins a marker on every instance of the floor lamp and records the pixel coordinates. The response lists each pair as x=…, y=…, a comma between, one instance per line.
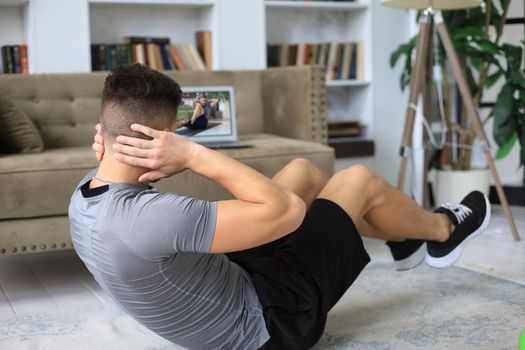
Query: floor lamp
x=432, y=16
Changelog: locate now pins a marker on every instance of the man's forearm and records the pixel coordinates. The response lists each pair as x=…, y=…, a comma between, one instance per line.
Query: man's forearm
x=265, y=208
x=243, y=182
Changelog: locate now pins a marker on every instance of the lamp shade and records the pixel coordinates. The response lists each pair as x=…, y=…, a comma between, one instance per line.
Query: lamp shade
x=435, y=4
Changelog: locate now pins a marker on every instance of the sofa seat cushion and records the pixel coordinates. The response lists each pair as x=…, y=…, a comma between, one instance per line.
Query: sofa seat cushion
x=37, y=185
x=41, y=184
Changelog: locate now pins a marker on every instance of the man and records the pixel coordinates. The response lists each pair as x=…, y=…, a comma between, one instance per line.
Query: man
x=258, y=271
x=202, y=111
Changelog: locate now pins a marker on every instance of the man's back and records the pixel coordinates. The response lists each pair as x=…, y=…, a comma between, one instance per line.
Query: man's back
x=149, y=250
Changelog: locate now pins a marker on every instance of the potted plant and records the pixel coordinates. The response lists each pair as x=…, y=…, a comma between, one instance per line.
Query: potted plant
x=476, y=34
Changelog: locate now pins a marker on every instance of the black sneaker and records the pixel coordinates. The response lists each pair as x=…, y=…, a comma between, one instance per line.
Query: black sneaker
x=407, y=254
x=470, y=218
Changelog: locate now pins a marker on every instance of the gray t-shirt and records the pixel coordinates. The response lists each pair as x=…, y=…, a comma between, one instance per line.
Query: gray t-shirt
x=150, y=251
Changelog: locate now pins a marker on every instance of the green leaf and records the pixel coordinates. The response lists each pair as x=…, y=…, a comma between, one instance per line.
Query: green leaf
x=513, y=54
x=394, y=57
x=504, y=3
x=493, y=78
x=520, y=112
x=505, y=150
x=495, y=17
x=475, y=61
x=488, y=47
x=472, y=83
x=504, y=123
x=519, y=79
x=522, y=100
x=522, y=144
x=464, y=33
x=404, y=49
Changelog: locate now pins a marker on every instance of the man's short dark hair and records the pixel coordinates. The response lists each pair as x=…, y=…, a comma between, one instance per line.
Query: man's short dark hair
x=135, y=93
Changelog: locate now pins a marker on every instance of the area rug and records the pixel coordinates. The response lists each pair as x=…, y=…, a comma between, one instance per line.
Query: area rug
x=419, y=309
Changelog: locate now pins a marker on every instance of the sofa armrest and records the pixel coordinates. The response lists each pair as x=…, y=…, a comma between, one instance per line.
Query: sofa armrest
x=295, y=103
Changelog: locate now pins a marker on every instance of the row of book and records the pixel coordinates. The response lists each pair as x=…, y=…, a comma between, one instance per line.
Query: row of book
x=14, y=59
x=345, y=129
x=157, y=53
x=341, y=60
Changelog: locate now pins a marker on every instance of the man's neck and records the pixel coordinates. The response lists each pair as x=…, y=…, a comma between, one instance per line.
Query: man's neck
x=111, y=170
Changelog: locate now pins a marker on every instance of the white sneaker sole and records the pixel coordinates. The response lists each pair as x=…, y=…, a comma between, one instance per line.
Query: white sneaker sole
x=413, y=260
x=449, y=259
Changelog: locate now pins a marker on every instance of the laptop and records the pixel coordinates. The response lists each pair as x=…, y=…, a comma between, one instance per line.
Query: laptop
x=207, y=116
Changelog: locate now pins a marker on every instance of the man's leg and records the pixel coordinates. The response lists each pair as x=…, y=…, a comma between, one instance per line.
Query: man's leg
x=307, y=181
x=197, y=112
x=303, y=178
x=388, y=214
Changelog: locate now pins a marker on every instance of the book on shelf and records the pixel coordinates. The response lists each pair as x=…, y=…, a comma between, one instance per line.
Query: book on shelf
x=15, y=59
x=109, y=56
x=342, y=61
x=203, y=39
x=153, y=54
x=194, y=57
x=183, y=53
x=345, y=129
x=156, y=52
x=273, y=56
x=24, y=60
x=137, y=53
x=167, y=61
x=177, y=58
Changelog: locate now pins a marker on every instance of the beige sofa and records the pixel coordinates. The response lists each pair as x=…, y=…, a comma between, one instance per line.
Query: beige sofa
x=281, y=112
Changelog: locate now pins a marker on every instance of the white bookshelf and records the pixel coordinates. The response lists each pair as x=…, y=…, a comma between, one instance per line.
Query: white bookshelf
x=60, y=43
x=111, y=20
x=318, y=5
x=13, y=23
x=296, y=22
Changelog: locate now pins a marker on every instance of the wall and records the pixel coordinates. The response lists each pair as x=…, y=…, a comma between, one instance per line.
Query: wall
x=390, y=28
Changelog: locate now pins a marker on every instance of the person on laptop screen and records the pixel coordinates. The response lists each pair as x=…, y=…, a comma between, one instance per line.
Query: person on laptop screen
x=259, y=271
x=203, y=109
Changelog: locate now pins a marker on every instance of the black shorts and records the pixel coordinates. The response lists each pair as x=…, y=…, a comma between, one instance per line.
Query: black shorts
x=301, y=276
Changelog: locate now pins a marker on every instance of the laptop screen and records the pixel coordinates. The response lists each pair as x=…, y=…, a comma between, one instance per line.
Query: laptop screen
x=207, y=114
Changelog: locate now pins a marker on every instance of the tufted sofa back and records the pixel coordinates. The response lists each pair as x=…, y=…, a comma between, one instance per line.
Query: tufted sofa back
x=66, y=107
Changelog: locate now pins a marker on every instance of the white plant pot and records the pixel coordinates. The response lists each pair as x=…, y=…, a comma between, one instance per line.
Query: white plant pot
x=451, y=186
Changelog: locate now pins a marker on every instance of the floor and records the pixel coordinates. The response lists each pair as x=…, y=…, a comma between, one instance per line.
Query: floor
x=51, y=281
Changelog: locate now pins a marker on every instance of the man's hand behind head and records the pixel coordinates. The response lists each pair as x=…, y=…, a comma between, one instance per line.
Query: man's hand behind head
x=98, y=144
x=166, y=154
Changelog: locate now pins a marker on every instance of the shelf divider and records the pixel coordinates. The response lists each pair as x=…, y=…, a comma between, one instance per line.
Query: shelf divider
x=318, y=5
x=346, y=82
x=181, y=3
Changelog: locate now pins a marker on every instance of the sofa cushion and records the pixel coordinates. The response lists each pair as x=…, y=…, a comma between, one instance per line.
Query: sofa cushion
x=18, y=134
x=37, y=185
